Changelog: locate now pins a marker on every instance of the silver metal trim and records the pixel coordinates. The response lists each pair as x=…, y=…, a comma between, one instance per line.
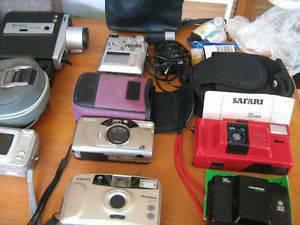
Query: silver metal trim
x=60, y=46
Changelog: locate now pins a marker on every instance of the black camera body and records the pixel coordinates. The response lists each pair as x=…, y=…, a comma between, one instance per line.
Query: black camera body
x=247, y=200
x=47, y=37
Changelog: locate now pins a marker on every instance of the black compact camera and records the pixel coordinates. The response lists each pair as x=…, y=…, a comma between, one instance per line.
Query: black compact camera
x=47, y=37
x=244, y=200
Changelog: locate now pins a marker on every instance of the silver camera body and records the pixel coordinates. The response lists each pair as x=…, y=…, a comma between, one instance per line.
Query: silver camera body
x=106, y=139
x=18, y=150
x=96, y=199
x=124, y=54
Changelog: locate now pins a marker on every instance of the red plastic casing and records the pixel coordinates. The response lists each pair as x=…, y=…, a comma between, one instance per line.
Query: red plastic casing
x=271, y=150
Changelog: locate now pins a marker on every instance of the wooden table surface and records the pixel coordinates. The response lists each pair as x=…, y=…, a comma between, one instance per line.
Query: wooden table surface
x=56, y=127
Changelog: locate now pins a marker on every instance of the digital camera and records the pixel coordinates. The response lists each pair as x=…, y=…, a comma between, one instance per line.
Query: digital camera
x=94, y=199
x=124, y=54
x=18, y=150
x=47, y=37
x=242, y=146
x=113, y=140
x=245, y=200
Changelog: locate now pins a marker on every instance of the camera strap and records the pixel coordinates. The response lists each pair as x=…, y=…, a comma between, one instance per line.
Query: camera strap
x=53, y=220
x=47, y=193
x=31, y=192
x=189, y=182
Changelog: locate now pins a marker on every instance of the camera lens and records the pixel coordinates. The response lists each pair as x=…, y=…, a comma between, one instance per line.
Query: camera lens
x=117, y=134
x=117, y=201
x=77, y=38
x=85, y=37
x=237, y=136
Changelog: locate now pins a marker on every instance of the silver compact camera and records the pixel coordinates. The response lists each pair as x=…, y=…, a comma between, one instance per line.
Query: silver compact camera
x=113, y=140
x=124, y=54
x=18, y=150
x=94, y=199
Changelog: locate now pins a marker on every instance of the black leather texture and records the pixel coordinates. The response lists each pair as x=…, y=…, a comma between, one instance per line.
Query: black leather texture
x=171, y=111
x=143, y=15
x=133, y=90
x=240, y=72
x=86, y=90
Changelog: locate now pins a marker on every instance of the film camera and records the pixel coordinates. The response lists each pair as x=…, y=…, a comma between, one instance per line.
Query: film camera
x=18, y=150
x=111, y=199
x=242, y=146
x=105, y=139
x=124, y=54
x=247, y=200
x=47, y=37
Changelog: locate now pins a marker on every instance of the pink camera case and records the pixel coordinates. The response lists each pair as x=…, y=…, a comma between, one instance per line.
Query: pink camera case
x=112, y=96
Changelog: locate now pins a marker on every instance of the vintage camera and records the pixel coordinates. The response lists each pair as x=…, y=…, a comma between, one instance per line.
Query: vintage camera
x=242, y=146
x=18, y=150
x=247, y=200
x=124, y=54
x=111, y=199
x=105, y=139
x=48, y=37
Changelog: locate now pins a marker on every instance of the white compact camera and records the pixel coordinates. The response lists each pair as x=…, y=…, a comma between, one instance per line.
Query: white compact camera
x=111, y=199
x=113, y=140
x=18, y=150
x=124, y=54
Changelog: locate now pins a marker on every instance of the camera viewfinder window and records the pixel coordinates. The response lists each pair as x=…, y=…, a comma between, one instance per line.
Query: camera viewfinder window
x=5, y=143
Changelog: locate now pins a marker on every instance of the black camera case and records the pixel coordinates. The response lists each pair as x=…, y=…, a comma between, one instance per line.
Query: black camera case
x=240, y=72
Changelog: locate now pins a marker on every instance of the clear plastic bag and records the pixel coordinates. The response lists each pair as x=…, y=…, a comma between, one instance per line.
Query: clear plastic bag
x=276, y=33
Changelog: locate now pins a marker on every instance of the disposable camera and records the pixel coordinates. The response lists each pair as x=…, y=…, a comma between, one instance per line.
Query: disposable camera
x=106, y=139
x=247, y=146
x=111, y=199
x=45, y=36
x=244, y=200
x=124, y=54
x=18, y=150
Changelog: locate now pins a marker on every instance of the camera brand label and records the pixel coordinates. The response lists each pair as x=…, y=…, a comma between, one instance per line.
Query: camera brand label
x=150, y=197
x=257, y=107
x=258, y=189
x=28, y=28
x=249, y=101
x=83, y=179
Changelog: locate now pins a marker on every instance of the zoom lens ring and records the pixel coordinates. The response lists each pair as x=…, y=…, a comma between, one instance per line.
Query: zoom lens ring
x=118, y=134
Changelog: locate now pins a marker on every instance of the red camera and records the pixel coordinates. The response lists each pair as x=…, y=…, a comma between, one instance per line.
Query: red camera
x=247, y=146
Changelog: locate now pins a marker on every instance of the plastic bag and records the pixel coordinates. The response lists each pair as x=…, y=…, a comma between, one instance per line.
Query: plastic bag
x=276, y=33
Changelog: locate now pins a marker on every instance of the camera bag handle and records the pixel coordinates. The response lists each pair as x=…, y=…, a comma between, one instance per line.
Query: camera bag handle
x=47, y=193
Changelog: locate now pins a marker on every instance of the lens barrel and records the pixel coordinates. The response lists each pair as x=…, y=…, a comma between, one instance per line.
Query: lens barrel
x=77, y=38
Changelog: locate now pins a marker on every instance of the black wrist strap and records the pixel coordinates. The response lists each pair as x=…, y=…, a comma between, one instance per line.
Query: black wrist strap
x=52, y=221
x=47, y=193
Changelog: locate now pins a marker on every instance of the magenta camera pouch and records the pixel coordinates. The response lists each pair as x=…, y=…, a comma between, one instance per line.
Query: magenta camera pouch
x=112, y=96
